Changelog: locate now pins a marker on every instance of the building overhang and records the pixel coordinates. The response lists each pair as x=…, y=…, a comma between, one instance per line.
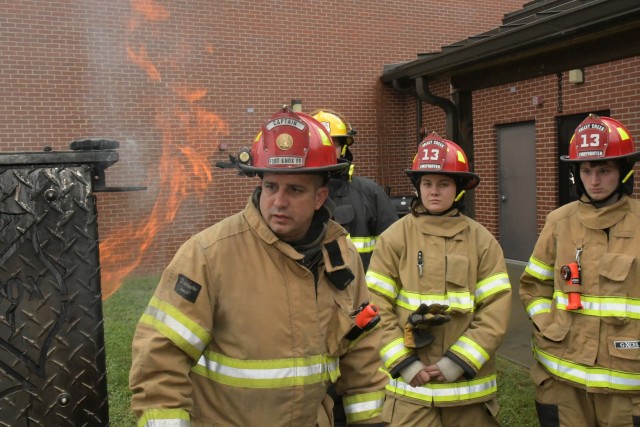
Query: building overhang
x=545, y=37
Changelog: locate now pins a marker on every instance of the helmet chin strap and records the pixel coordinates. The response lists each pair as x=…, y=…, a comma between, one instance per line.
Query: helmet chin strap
x=626, y=178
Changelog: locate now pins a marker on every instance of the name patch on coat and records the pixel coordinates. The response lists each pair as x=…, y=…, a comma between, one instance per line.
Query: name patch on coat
x=627, y=344
x=187, y=288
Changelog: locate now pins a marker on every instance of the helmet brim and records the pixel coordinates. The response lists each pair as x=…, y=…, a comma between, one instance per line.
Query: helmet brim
x=470, y=179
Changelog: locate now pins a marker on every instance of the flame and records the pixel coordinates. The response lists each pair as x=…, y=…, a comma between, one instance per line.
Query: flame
x=183, y=170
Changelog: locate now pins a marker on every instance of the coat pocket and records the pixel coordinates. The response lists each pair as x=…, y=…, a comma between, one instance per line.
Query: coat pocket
x=457, y=273
x=627, y=348
x=616, y=276
x=339, y=326
x=615, y=270
x=457, y=283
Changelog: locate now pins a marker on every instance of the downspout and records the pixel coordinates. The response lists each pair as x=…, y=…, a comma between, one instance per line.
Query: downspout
x=411, y=91
x=422, y=90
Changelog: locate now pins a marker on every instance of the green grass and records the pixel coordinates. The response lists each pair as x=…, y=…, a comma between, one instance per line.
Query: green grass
x=124, y=308
x=121, y=314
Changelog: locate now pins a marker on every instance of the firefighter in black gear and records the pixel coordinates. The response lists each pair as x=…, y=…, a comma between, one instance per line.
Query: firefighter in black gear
x=362, y=206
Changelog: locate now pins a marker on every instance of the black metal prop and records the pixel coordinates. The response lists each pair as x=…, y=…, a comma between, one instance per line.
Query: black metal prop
x=52, y=356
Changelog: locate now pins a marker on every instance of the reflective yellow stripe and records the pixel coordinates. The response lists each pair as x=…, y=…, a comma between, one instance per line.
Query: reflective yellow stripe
x=362, y=407
x=539, y=269
x=182, y=331
x=592, y=377
x=471, y=350
x=393, y=351
x=382, y=284
x=462, y=301
x=598, y=306
x=363, y=244
x=492, y=285
x=276, y=373
x=459, y=391
x=164, y=418
x=538, y=306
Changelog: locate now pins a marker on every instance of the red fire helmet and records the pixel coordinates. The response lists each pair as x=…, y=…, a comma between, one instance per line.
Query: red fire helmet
x=441, y=156
x=600, y=138
x=290, y=143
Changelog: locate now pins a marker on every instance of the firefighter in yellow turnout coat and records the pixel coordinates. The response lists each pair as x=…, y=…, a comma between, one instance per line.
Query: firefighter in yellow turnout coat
x=253, y=318
x=581, y=290
x=438, y=257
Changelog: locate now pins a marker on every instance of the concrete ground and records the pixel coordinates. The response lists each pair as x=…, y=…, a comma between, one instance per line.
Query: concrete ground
x=517, y=343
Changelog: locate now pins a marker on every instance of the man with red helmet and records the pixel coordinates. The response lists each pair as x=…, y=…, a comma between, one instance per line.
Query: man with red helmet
x=580, y=288
x=258, y=314
x=440, y=281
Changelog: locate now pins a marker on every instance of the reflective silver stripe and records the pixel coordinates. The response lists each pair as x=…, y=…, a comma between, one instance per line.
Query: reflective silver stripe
x=539, y=306
x=393, y=351
x=363, y=406
x=593, y=377
x=167, y=423
x=164, y=418
x=472, y=351
x=446, y=392
x=602, y=306
x=267, y=373
x=363, y=244
x=381, y=283
x=539, y=269
x=492, y=285
x=412, y=300
x=176, y=326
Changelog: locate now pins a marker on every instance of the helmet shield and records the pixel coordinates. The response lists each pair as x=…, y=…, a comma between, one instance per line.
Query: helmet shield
x=440, y=156
x=290, y=143
x=600, y=138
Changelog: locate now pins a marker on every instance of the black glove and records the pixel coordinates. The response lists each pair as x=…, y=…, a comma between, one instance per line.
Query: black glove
x=416, y=333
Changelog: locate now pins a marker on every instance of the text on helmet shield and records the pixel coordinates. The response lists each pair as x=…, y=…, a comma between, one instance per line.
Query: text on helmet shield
x=286, y=161
x=434, y=142
x=285, y=121
x=430, y=166
x=593, y=153
x=596, y=126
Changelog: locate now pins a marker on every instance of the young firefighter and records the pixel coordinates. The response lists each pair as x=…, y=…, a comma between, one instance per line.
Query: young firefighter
x=440, y=281
x=254, y=317
x=581, y=288
x=361, y=206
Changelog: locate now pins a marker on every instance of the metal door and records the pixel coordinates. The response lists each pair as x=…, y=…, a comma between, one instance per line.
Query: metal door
x=517, y=189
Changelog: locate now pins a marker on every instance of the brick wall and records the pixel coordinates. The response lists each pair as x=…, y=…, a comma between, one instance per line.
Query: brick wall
x=183, y=84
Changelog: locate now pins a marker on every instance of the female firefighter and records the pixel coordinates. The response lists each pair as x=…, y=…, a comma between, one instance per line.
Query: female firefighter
x=440, y=281
x=580, y=288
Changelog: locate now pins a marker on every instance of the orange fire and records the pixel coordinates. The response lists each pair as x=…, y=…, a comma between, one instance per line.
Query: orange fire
x=183, y=171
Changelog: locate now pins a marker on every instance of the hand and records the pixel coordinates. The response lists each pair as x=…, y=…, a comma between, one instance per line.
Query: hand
x=434, y=372
x=420, y=379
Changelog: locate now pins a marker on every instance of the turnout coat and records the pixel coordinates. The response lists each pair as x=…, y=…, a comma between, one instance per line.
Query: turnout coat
x=238, y=333
x=597, y=347
x=452, y=260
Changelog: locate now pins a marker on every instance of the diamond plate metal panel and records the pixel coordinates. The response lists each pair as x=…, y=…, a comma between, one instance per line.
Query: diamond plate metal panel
x=52, y=357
